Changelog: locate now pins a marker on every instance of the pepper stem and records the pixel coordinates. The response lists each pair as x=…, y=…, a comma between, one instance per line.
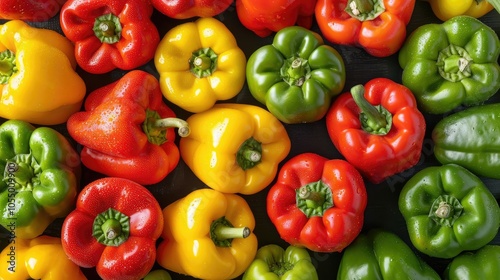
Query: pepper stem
x=445, y=210
x=295, y=71
x=156, y=128
x=23, y=171
x=453, y=63
x=364, y=10
x=111, y=227
x=222, y=232
x=314, y=199
x=7, y=66
x=203, y=62
x=108, y=28
x=249, y=154
x=374, y=119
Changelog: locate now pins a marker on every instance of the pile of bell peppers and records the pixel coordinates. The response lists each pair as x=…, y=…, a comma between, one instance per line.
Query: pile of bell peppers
x=124, y=132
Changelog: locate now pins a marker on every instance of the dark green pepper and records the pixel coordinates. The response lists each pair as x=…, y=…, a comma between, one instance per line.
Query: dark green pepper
x=297, y=76
x=448, y=210
x=451, y=64
x=39, y=177
x=273, y=262
x=380, y=254
x=482, y=264
x=470, y=138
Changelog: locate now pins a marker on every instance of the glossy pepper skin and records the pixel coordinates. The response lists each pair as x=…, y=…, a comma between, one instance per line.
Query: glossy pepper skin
x=235, y=148
x=42, y=61
x=200, y=63
x=39, y=179
x=377, y=128
x=378, y=27
x=317, y=203
x=297, y=76
x=208, y=235
x=116, y=221
x=34, y=259
x=380, y=254
x=110, y=34
x=448, y=210
x=446, y=9
x=30, y=10
x=470, y=138
x=481, y=264
x=183, y=9
x=265, y=17
x=274, y=262
x=127, y=131
x=451, y=64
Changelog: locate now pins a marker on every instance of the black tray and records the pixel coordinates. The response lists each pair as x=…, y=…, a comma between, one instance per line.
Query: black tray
x=382, y=209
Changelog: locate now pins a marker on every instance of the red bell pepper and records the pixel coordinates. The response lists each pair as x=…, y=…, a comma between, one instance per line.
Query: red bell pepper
x=114, y=228
x=128, y=131
x=378, y=26
x=183, y=9
x=30, y=10
x=377, y=128
x=317, y=203
x=264, y=17
x=110, y=34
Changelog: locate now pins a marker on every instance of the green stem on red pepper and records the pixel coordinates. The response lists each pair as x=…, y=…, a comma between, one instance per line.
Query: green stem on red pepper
x=156, y=128
x=249, y=154
x=445, y=210
x=7, y=66
x=108, y=28
x=222, y=232
x=454, y=63
x=111, y=227
x=203, y=62
x=365, y=9
x=314, y=199
x=374, y=119
x=295, y=71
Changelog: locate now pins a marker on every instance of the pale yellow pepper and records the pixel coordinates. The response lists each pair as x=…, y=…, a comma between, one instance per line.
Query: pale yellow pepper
x=200, y=63
x=446, y=9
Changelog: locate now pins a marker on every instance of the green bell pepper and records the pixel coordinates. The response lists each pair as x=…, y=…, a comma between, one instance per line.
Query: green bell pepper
x=296, y=76
x=470, y=138
x=448, y=210
x=482, y=264
x=39, y=178
x=380, y=254
x=273, y=262
x=451, y=64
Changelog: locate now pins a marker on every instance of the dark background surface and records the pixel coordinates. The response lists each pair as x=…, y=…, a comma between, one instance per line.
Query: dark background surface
x=382, y=209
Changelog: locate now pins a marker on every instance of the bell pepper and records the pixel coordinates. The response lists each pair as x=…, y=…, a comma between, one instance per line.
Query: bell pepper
x=184, y=9
x=481, y=264
x=377, y=26
x=470, y=138
x=39, y=177
x=446, y=9
x=200, y=63
x=110, y=34
x=317, y=203
x=377, y=128
x=381, y=254
x=114, y=228
x=39, y=258
x=208, y=235
x=296, y=80
x=127, y=131
x=158, y=274
x=30, y=10
x=41, y=61
x=235, y=148
x=448, y=210
x=274, y=262
x=451, y=64
x=265, y=17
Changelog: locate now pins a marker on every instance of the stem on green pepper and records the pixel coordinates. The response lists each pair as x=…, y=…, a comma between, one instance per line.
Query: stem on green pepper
x=111, y=227
x=7, y=66
x=155, y=127
x=203, y=62
x=365, y=9
x=453, y=63
x=295, y=71
x=23, y=170
x=314, y=199
x=222, y=232
x=374, y=119
x=445, y=210
x=249, y=154
x=108, y=28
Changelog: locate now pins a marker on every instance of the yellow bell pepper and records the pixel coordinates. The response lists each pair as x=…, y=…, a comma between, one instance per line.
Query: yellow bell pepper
x=40, y=258
x=38, y=81
x=446, y=9
x=235, y=148
x=200, y=63
x=208, y=235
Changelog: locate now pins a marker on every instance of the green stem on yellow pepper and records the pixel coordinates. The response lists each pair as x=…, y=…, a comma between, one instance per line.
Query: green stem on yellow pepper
x=203, y=62
x=7, y=66
x=249, y=154
x=374, y=119
x=108, y=28
x=222, y=232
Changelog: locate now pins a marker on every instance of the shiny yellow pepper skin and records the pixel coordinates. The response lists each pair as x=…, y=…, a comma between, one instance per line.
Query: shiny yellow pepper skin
x=446, y=9
x=38, y=81
x=235, y=148
x=194, y=235
x=40, y=258
x=200, y=63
